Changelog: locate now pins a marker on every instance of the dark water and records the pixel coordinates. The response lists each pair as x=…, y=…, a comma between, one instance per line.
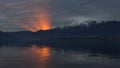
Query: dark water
x=74, y=53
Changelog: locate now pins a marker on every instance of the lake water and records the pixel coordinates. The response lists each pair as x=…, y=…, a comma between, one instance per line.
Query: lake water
x=61, y=53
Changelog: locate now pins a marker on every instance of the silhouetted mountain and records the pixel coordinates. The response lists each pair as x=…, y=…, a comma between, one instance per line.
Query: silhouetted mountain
x=7, y=37
x=103, y=29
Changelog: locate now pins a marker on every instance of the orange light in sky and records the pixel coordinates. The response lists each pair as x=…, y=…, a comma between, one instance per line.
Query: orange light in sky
x=23, y=25
x=44, y=23
x=37, y=19
x=40, y=19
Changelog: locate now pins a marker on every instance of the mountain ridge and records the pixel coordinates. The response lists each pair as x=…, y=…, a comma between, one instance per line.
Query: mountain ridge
x=94, y=29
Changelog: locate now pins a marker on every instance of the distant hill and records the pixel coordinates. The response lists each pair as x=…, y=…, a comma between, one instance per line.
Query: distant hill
x=7, y=37
x=100, y=30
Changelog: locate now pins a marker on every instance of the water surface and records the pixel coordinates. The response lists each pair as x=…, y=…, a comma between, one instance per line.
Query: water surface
x=61, y=53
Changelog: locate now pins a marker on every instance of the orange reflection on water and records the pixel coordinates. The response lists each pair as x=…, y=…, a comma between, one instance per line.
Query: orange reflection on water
x=43, y=51
x=42, y=56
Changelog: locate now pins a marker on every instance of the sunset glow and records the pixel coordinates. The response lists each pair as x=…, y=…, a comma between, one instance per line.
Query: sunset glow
x=37, y=18
x=44, y=23
x=42, y=20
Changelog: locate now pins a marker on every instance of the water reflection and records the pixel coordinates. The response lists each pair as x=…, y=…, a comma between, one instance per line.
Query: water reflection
x=61, y=54
x=42, y=54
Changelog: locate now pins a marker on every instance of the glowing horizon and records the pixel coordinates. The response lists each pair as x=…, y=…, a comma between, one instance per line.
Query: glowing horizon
x=42, y=21
x=37, y=19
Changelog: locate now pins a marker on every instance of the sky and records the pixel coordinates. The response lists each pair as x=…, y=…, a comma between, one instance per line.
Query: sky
x=19, y=15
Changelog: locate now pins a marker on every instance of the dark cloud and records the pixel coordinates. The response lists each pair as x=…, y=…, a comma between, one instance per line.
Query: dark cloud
x=62, y=12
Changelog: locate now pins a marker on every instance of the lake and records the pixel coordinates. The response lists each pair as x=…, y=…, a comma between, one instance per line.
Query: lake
x=61, y=53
